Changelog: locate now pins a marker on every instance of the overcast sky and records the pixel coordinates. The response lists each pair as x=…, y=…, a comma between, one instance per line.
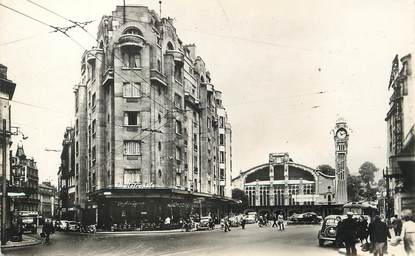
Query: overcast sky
x=269, y=58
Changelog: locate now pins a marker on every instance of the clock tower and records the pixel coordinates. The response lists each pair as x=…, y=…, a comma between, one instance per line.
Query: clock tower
x=341, y=138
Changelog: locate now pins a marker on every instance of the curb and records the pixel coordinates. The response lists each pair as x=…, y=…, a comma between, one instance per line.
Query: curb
x=20, y=245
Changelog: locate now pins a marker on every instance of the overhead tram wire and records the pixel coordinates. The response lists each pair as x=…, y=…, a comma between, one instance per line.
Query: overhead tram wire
x=78, y=24
x=64, y=30
x=83, y=28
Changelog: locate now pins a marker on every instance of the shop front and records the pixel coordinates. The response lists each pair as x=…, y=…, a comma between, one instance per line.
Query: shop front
x=148, y=208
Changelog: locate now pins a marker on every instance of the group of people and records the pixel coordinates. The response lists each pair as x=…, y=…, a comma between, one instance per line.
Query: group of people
x=350, y=230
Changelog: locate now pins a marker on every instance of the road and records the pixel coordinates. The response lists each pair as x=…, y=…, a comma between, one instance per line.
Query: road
x=295, y=240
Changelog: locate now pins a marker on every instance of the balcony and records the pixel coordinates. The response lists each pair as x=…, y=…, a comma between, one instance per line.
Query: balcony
x=177, y=55
x=91, y=55
x=188, y=97
x=157, y=77
x=108, y=76
x=131, y=40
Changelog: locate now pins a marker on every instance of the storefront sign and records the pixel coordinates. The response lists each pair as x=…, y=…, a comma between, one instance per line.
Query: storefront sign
x=129, y=203
x=178, y=205
x=134, y=186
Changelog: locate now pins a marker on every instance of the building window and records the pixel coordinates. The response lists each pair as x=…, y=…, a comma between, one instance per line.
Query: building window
x=222, y=173
x=77, y=148
x=131, y=57
x=159, y=145
x=93, y=156
x=131, y=118
x=132, y=147
x=159, y=118
x=131, y=90
x=221, y=122
x=76, y=126
x=222, y=157
x=221, y=139
x=178, y=154
x=159, y=65
x=178, y=72
x=132, y=176
x=178, y=127
x=208, y=122
x=177, y=101
x=93, y=99
x=94, y=124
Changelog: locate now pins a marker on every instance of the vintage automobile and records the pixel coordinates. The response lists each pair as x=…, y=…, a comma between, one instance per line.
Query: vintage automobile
x=328, y=229
x=305, y=218
x=204, y=223
x=61, y=225
x=73, y=226
x=251, y=217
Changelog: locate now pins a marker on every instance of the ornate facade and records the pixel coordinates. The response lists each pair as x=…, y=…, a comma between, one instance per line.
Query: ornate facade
x=282, y=185
x=151, y=130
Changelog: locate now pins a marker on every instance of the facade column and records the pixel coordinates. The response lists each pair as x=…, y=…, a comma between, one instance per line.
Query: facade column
x=257, y=197
x=286, y=194
x=271, y=185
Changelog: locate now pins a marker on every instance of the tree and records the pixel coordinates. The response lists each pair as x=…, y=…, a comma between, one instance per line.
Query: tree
x=367, y=172
x=326, y=169
x=355, y=188
x=239, y=194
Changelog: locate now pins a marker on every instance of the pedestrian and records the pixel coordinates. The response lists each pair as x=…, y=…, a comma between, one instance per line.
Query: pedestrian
x=397, y=225
x=226, y=223
x=408, y=232
x=243, y=222
x=363, y=229
x=349, y=228
x=281, y=221
x=379, y=234
x=47, y=229
x=339, y=232
x=274, y=224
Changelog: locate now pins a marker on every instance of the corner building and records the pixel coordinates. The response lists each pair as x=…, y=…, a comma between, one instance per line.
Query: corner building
x=152, y=138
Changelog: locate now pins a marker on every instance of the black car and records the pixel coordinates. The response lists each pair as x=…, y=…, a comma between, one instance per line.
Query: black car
x=328, y=229
x=305, y=218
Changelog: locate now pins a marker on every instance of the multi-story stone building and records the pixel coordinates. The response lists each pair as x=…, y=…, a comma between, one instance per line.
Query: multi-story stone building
x=7, y=88
x=24, y=179
x=66, y=177
x=400, y=135
x=46, y=192
x=152, y=136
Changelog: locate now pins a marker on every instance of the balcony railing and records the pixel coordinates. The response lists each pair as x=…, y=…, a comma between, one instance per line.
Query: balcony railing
x=131, y=40
x=158, y=77
x=177, y=55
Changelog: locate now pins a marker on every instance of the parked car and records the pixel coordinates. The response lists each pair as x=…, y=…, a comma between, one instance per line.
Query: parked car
x=234, y=221
x=204, y=223
x=251, y=217
x=305, y=218
x=73, y=226
x=61, y=224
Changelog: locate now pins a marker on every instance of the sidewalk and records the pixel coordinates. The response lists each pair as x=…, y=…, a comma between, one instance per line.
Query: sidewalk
x=170, y=231
x=396, y=250
x=27, y=241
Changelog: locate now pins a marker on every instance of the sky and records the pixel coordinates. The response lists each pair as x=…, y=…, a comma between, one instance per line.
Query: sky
x=270, y=58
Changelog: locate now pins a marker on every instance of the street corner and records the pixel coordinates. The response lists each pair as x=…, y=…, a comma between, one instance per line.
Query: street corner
x=27, y=241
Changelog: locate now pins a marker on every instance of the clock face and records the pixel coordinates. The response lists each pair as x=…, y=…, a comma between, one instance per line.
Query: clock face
x=341, y=133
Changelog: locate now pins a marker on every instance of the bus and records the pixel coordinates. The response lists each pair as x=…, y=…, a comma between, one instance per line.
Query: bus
x=27, y=221
x=361, y=208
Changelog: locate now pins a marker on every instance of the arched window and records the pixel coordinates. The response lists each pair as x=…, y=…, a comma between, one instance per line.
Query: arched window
x=133, y=31
x=170, y=46
x=101, y=45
